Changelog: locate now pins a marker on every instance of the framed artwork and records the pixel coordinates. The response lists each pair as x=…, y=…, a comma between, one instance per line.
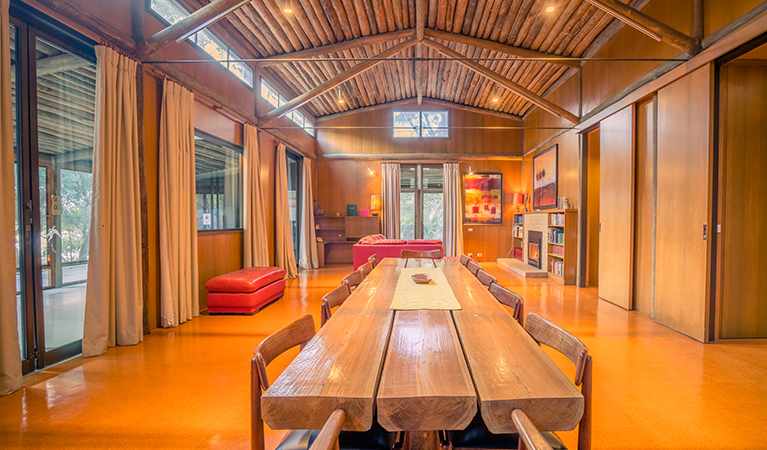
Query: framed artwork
x=483, y=198
x=545, y=179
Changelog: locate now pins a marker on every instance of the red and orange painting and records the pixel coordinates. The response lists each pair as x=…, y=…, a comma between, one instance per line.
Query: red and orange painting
x=483, y=199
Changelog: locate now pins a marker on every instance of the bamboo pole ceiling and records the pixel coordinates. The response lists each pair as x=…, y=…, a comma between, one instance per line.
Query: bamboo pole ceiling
x=493, y=32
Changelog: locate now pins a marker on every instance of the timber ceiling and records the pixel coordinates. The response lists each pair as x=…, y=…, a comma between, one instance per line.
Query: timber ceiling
x=567, y=31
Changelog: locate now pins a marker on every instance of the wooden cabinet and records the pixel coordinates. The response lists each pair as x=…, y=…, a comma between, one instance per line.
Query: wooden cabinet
x=517, y=236
x=339, y=234
x=562, y=246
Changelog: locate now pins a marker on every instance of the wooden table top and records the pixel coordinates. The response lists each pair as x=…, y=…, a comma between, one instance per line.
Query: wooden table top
x=438, y=367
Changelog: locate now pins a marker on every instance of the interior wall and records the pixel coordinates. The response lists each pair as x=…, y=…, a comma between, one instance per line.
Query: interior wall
x=592, y=220
x=151, y=108
x=568, y=169
x=644, y=208
x=379, y=141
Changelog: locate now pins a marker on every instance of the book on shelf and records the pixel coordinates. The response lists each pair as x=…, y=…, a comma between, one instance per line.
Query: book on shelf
x=557, y=267
x=556, y=236
x=557, y=219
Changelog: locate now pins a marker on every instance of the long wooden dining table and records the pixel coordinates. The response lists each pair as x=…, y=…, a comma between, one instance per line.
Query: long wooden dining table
x=422, y=370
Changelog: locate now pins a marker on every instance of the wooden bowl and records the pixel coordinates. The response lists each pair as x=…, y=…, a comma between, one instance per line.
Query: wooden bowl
x=421, y=278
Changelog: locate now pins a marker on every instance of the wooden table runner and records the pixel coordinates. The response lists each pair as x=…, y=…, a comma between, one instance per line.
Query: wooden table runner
x=437, y=295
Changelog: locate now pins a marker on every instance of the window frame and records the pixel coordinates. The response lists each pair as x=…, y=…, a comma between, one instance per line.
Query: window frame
x=230, y=55
x=418, y=190
x=420, y=124
x=240, y=150
x=281, y=100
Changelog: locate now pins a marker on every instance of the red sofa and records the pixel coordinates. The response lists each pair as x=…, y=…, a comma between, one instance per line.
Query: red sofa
x=390, y=248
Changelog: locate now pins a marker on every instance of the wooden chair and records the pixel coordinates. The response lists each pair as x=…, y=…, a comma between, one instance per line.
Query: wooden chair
x=366, y=268
x=529, y=436
x=485, y=278
x=464, y=259
x=509, y=299
x=300, y=332
x=374, y=259
x=334, y=298
x=433, y=255
x=473, y=267
x=354, y=279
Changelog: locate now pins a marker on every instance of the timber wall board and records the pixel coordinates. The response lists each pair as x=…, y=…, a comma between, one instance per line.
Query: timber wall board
x=592, y=220
x=152, y=102
x=743, y=311
x=565, y=96
x=380, y=141
x=568, y=168
x=644, y=208
x=683, y=204
x=616, y=176
x=218, y=252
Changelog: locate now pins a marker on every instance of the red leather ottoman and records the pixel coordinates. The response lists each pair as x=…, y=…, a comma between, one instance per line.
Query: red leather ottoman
x=245, y=291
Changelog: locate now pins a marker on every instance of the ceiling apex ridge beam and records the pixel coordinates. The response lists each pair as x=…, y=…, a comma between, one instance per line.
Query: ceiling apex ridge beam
x=512, y=86
x=335, y=81
x=648, y=25
x=420, y=19
x=502, y=48
x=202, y=18
x=337, y=47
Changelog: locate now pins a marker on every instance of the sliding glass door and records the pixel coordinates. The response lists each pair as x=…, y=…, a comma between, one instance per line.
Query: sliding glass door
x=53, y=104
x=421, y=202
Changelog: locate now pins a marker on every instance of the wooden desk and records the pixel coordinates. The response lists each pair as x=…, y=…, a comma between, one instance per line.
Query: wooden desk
x=425, y=382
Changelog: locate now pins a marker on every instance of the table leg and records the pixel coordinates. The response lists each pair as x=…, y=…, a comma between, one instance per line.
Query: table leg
x=421, y=440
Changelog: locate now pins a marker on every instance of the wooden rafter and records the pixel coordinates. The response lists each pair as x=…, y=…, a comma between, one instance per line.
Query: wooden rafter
x=420, y=16
x=634, y=17
x=494, y=76
x=334, y=48
x=202, y=18
x=335, y=81
x=502, y=48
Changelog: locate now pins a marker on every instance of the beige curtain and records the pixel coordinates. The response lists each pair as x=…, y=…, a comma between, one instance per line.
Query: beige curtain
x=113, y=303
x=390, y=190
x=284, y=255
x=256, y=241
x=308, y=255
x=179, y=294
x=10, y=354
x=453, y=212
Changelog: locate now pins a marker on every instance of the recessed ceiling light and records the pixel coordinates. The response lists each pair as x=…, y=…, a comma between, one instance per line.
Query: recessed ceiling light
x=495, y=99
x=550, y=9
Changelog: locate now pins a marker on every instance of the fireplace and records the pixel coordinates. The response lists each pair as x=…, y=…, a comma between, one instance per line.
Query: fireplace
x=534, y=239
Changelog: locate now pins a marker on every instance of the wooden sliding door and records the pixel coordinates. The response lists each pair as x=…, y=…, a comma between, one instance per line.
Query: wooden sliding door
x=616, y=207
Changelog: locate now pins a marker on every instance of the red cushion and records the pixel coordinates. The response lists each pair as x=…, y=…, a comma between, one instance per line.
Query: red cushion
x=245, y=280
x=424, y=241
x=244, y=303
x=388, y=242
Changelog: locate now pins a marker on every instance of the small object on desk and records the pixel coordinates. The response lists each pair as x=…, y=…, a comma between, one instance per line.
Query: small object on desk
x=351, y=210
x=421, y=278
x=364, y=213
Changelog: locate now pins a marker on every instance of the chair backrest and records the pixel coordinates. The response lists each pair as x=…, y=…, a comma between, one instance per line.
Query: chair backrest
x=353, y=279
x=297, y=332
x=473, y=267
x=509, y=299
x=332, y=299
x=545, y=332
x=327, y=439
x=528, y=434
x=367, y=268
x=464, y=260
x=374, y=259
x=485, y=278
x=423, y=254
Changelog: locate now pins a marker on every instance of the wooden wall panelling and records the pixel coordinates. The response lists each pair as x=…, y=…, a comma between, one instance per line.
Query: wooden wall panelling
x=210, y=121
x=681, y=268
x=592, y=221
x=644, y=208
x=568, y=168
x=152, y=103
x=567, y=96
x=219, y=252
x=616, y=207
x=717, y=14
x=342, y=182
x=743, y=311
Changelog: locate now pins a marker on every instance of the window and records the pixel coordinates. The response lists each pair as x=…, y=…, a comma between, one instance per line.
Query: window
x=171, y=12
x=421, y=202
x=218, y=183
x=276, y=99
x=420, y=124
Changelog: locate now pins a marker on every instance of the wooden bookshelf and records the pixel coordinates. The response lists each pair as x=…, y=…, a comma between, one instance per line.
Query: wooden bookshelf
x=562, y=234
x=339, y=234
x=517, y=234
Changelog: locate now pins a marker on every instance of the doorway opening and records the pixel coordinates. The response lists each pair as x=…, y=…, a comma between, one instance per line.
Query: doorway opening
x=589, y=270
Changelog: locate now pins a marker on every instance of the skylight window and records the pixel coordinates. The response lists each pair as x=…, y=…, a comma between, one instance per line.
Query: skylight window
x=276, y=99
x=171, y=12
x=420, y=124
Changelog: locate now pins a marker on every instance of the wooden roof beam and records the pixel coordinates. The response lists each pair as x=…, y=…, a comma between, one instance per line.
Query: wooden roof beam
x=420, y=27
x=649, y=26
x=503, y=81
x=338, y=47
x=335, y=81
x=202, y=18
x=409, y=102
x=502, y=48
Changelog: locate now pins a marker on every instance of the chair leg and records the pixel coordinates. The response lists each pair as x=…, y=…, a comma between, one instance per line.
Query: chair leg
x=584, y=428
x=256, y=424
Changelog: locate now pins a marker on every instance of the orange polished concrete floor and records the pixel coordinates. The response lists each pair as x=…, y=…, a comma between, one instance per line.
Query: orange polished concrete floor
x=188, y=387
